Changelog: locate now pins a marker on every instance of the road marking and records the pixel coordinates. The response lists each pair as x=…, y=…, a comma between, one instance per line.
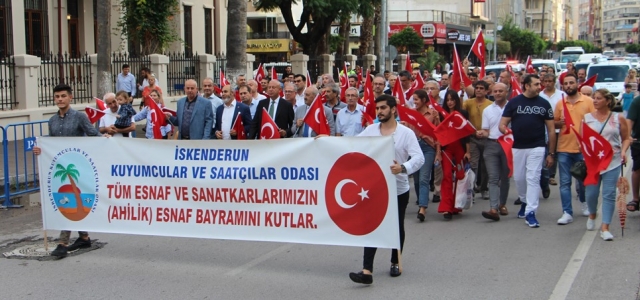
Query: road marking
x=259, y=260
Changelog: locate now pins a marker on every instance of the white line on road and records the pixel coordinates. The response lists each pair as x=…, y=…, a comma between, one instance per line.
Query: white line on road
x=259, y=260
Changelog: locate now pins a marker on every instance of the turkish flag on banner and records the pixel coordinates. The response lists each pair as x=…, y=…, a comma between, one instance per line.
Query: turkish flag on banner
x=417, y=120
x=529, y=66
x=316, y=119
x=268, y=128
x=479, y=49
x=418, y=84
x=515, y=87
x=434, y=104
x=259, y=76
x=568, y=122
x=344, y=83
x=591, y=81
x=157, y=117
x=506, y=142
x=223, y=80
x=308, y=79
x=95, y=114
x=399, y=94
x=596, y=150
x=238, y=126
x=407, y=63
x=453, y=128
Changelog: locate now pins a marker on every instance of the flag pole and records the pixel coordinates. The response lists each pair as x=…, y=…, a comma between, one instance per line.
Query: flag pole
x=473, y=45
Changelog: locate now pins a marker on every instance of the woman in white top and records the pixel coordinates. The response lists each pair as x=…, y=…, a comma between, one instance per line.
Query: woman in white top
x=616, y=131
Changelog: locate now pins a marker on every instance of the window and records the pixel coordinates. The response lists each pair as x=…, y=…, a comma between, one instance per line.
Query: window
x=188, y=33
x=6, y=32
x=36, y=27
x=208, y=34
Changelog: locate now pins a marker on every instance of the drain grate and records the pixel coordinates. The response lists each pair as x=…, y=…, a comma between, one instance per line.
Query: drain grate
x=34, y=249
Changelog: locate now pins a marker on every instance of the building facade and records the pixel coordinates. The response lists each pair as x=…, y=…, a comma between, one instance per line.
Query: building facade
x=618, y=20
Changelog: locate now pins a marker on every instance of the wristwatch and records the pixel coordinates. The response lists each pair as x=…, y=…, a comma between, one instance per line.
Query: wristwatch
x=403, y=169
x=551, y=153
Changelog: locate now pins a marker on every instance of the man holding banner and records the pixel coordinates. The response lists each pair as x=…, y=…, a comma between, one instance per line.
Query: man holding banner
x=68, y=122
x=406, y=146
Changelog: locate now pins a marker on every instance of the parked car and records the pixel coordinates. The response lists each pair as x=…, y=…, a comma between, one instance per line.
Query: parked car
x=611, y=75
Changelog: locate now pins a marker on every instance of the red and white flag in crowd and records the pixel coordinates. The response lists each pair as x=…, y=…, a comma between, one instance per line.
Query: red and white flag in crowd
x=516, y=89
x=479, y=49
x=458, y=77
x=223, y=79
x=359, y=83
x=506, y=142
x=368, y=101
x=95, y=114
x=308, y=79
x=259, y=76
x=157, y=117
x=344, y=83
x=417, y=120
x=407, y=63
x=591, y=81
x=367, y=92
x=268, y=128
x=171, y=111
x=454, y=127
x=596, y=150
x=529, y=66
x=418, y=84
x=399, y=94
x=323, y=97
x=316, y=119
x=238, y=126
x=434, y=104
x=568, y=121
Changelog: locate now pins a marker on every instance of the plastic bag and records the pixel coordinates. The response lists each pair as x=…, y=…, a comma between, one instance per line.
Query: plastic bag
x=464, y=190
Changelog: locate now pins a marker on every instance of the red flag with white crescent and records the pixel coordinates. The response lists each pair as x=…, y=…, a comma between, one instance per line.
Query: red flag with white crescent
x=417, y=120
x=157, y=117
x=171, y=111
x=399, y=94
x=238, y=126
x=259, y=76
x=506, y=142
x=591, y=81
x=596, y=150
x=479, y=49
x=407, y=63
x=434, y=104
x=223, y=79
x=308, y=79
x=316, y=119
x=515, y=87
x=418, y=84
x=94, y=114
x=568, y=121
x=268, y=128
x=344, y=83
x=453, y=128
x=529, y=65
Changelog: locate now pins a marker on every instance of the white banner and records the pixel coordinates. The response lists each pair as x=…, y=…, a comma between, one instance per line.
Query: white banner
x=333, y=191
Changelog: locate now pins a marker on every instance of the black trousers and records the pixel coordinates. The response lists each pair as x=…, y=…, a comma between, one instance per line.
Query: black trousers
x=370, y=253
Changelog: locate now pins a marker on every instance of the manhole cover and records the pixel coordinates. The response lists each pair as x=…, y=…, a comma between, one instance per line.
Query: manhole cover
x=34, y=249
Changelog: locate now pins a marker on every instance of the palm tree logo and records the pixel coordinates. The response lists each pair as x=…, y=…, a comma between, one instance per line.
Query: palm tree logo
x=80, y=211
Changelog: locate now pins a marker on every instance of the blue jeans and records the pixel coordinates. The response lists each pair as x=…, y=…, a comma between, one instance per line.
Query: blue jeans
x=423, y=176
x=608, y=181
x=565, y=161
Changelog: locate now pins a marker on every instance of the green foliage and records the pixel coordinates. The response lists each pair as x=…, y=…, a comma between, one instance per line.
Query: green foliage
x=407, y=40
x=150, y=23
x=334, y=42
x=504, y=47
x=430, y=59
x=523, y=42
x=632, y=48
x=588, y=47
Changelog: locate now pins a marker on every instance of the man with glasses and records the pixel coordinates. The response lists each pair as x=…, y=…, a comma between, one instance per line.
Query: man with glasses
x=300, y=128
x=290, y=95
x=475, y=107
x=379, y=84
x=301, y=84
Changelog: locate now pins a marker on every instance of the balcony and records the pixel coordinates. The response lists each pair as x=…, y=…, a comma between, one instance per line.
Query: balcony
x=268, y=35
x=438, y=16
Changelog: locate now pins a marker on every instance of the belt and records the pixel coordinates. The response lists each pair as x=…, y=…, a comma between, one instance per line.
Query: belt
x=493, y=140
x=186, y=137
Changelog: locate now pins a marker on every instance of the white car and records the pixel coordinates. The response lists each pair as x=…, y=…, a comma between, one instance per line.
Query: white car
x=611, y=75
x=537, y=63
x=501, y=67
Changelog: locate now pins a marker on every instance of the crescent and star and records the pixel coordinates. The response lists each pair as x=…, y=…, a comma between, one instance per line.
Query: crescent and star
x=364, y=194
x=271, y=127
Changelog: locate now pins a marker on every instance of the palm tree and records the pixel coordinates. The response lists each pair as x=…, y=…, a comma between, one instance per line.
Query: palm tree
x=236, y=39
x=71, y=173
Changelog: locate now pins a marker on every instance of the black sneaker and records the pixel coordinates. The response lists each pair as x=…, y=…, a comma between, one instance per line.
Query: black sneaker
x=60, y=251
x=517, y=202
x=395, y=271
x=436, y=199
x=80, y=243
x=361, y=278
x=545, y=192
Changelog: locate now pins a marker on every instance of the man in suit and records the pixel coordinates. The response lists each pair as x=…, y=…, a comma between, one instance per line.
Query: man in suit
x=227, y=113
x=280, y=110
x=194, y=118
x=301, y=129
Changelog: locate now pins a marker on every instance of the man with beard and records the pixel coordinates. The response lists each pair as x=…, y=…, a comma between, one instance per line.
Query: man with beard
x=582, y=76
x=568, y=147
x=228, y=112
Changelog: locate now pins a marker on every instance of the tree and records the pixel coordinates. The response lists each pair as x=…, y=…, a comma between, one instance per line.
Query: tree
x=367, y=11
x=523, y=42
x=407, y=40
x=71, y=173
x=236, y=38
x=632, y=48
x=149, y=23
x=316, y=17
x=430, y=59
x=504, y=47
x=105, y=83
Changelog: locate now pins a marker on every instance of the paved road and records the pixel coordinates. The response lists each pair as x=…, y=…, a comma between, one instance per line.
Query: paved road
x=467, y=258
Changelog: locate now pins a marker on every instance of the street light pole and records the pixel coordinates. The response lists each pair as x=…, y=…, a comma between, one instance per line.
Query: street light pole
x=495, y=30
x=383, y=31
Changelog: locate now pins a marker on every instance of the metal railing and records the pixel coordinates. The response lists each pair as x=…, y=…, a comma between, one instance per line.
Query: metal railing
x=135, y=62
x=268, y=35
x=20, y=168
x=182, y=67
x=63, y=68
x=221, y=64
x=8, y=99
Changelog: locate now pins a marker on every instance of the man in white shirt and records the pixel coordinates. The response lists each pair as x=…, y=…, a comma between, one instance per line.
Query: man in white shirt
x=553, y=95
x=301, y=84
x=405, y=145
x=494, y=156
x=228, y=112
x=301, y=129
x=109, y=119
x=349, y=119
x=207, y=93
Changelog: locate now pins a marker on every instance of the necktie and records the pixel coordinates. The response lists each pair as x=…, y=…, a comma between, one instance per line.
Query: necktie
x=305, y=131
x=271, y=108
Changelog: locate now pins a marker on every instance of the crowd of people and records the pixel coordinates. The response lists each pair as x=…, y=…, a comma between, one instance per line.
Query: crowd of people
x=543, y=146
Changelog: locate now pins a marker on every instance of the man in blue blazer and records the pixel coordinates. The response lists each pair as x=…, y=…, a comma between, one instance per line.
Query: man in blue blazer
x=194, y=118
x=227, y=113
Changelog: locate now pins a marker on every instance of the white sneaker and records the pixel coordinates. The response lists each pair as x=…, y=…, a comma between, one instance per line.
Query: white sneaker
x=591, y=225
x=606, y=235
x=585, y=209
x=565, y=219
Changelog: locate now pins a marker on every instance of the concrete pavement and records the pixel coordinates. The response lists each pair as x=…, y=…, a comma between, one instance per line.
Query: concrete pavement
x=467, y=258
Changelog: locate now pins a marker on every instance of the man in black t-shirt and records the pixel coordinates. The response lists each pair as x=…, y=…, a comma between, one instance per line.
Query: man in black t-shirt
x=633, y=119
x=530, y=117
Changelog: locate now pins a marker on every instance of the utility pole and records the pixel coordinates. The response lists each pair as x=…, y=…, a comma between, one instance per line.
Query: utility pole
x=384, y=32
x=495, y=29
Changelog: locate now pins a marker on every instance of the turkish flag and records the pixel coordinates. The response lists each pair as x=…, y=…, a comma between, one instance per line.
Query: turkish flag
x=399, y=94
x=458, y=77
x=434, y=104
x=223, y=80
x=417, y=120
x=453, y=128
x=367, y=92
x=316, y=119
x=479, y=50
x=95, y=114
x=308, y=79
x=344, y=83
x=407, y=63
x=323, y=97
x=418, y=84
x=530, y=69
x=591, y=81
x=366, y=118
x=506, y=142
x=157, y=117
x=268, y=128
x=360, y=78
x=259, y=76
x=238, y=126
x=568, y=122
x=597, y=153
x=100, y=104
x=515, y=87
x=171, y=111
